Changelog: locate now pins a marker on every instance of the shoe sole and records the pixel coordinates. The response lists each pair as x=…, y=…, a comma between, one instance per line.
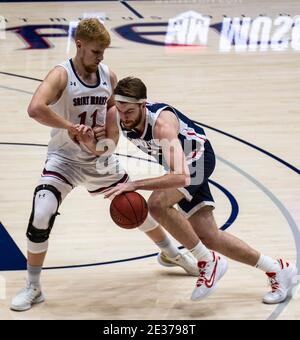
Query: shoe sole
x=165, y=264
x=170, y=264
x=211, y=291
x=36, y=301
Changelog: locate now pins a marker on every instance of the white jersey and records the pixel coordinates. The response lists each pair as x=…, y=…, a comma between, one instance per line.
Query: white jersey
x=80, y=104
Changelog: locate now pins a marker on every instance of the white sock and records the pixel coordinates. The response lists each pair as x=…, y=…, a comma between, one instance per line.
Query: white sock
x=168, y=247
x=201, y=253
x=267, y=264
x=34, y=274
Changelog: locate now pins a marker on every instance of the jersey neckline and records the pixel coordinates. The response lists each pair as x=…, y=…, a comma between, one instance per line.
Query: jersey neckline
x=80, y=80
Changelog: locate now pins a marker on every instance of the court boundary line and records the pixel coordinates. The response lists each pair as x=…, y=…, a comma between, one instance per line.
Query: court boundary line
x=130, y=8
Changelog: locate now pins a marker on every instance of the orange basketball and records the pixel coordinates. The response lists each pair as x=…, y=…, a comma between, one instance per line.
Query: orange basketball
x=129, y=210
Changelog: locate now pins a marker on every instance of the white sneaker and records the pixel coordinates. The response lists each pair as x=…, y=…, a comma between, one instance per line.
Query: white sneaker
x=26, y=298
x=183, y=260
x=210, y=273
x=281, y=283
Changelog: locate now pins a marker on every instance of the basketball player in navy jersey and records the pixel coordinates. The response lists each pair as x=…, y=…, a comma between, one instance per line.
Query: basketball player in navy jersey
x=78, y=91
x=185, y=152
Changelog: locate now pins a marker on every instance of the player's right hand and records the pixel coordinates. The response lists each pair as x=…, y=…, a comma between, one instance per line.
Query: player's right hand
x=100, y=132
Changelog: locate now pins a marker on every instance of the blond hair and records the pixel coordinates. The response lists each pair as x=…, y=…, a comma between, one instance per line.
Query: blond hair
x=92, y=29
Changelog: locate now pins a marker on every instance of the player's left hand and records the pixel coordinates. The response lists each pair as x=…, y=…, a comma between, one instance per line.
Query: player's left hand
x=119, y=189
x=100, y=132
x=85, y=134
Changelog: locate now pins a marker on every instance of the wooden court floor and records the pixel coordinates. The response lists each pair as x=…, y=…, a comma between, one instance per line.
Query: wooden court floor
x=247, y=98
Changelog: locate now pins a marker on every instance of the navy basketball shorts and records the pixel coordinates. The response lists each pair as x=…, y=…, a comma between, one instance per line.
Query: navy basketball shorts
x=198, y=194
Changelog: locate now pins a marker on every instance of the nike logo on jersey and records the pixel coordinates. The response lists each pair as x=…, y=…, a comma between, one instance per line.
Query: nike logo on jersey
x=73, y=83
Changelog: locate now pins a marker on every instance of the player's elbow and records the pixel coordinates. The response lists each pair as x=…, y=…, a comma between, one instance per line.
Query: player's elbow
x=34, y=110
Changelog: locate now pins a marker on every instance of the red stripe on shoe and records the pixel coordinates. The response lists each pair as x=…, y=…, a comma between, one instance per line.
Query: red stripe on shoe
x=214, y=255
x=282, y=266
x=209, y=283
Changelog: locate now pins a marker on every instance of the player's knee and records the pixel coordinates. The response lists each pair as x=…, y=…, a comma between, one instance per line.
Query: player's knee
x=41, y=218
x=46, y=201
x=155, y=206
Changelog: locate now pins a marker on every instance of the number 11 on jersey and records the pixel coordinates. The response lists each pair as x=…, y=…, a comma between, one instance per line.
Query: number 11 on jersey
x=83, y=115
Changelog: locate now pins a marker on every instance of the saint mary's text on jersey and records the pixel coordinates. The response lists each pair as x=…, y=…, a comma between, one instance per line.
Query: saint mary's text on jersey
x=89, y=100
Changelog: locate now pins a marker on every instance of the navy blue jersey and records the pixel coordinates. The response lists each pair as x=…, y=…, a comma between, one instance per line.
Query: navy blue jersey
x=192, y=137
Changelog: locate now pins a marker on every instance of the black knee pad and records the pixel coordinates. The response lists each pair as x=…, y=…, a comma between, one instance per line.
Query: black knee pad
x=41, y=235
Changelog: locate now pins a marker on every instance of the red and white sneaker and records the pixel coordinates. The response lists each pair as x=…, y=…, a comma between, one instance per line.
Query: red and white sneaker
x=210, y=273
x=281, y=283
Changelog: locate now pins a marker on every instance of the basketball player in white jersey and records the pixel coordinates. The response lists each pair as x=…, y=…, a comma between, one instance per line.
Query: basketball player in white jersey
x=75, y=92
x=185, y=152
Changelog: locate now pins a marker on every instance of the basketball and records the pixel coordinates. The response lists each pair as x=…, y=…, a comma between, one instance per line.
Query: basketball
x=129, y=210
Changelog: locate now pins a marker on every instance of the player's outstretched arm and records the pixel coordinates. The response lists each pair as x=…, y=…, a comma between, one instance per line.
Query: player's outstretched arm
x=48, y=93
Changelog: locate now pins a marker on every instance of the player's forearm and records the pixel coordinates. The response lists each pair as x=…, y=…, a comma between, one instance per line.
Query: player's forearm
x=44, y=115
x=169, y=181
